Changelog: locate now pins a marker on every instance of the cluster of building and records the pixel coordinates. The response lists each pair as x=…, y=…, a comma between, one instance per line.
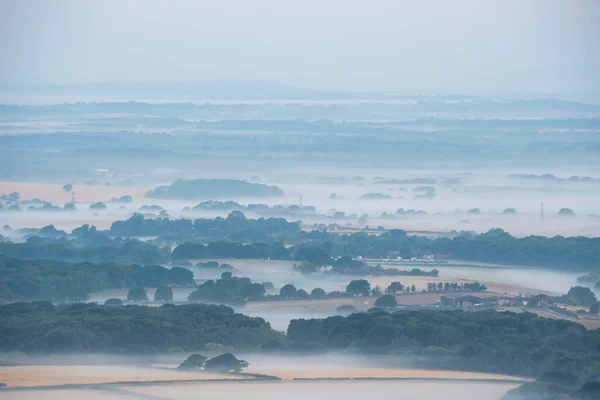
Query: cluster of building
x=468, y=301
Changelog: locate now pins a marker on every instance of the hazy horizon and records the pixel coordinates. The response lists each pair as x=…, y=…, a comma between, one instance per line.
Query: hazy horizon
x=467, y=47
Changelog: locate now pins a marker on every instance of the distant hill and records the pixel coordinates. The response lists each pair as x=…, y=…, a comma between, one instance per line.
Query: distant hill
x=213, y=189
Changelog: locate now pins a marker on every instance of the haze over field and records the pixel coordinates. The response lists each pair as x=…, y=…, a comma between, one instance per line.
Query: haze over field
x=301, y=199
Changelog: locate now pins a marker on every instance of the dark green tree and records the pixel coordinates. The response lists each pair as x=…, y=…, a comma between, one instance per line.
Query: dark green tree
x=195, y=362
x=566, y=212
x=376, y=291
x=314, y=255
x=98, y=206
x=137, y=294
x=359, y=287
x=583, y=295
x=394, y=288
x=164, y=294
x=227, y=275
x=386, y=301
x=180, y=276
x=225, y=363
x=318, y=293
x=288, y=291
x=113, y=302
x=254, y=291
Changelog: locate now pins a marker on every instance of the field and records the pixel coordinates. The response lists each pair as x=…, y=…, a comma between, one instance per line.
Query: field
x=57, y=375
x=289, y=390
x=56, y=195
x=340, y=372
x=301, y=377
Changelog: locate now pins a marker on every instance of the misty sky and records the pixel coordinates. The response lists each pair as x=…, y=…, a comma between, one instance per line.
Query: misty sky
x=429, y=47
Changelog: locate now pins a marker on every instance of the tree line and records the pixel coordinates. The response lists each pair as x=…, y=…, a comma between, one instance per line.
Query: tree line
x=87, y=327
x=84, y=244
x=236, y=227
x=485, y=341
x=239, y=237
x=56, y=281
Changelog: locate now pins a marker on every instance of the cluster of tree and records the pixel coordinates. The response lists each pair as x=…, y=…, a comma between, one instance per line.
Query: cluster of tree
x=290, y=292
x=398, y=288
x=261, y=209
x=43, y=327
x=85, y=244
x=197, y=189
x=56, y=281
x=39, y=205
x=577, y=296
x=509, y=343
x=569, y=253
x=231, y=290
x=319, y=248
x=386, y=301
x=11, y=197
x=236, y=227
x=223, y=363
x=228, y=290
x=318, y=260
x=187, y=251
x=211, y=265
x=265, y=238
x=362, y=287
x=582, y=295
x=455, y=287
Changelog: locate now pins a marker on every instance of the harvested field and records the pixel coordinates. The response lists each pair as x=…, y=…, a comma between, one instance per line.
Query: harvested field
x=340, y=372
x=55, y=193
x=330, y=390
x=56, y=375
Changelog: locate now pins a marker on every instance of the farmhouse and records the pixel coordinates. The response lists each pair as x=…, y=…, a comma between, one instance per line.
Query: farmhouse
x=463, y=301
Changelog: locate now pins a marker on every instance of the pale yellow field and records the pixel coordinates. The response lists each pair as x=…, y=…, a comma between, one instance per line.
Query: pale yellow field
x=420, y=283
x=358, y=302
x=65, y=394
x=55, y=193
x=329, y=390
x=56, y=375
x=338, y=372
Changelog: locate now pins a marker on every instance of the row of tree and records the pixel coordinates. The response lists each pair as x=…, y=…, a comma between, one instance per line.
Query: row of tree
x=267, y=238
x=236, y=291
x=236, y=227
x=455, y=287
x=497, y=246
x=56, y=281
x=88, y=327
x=487, y=341
x=223, y=363
x=85, y=244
